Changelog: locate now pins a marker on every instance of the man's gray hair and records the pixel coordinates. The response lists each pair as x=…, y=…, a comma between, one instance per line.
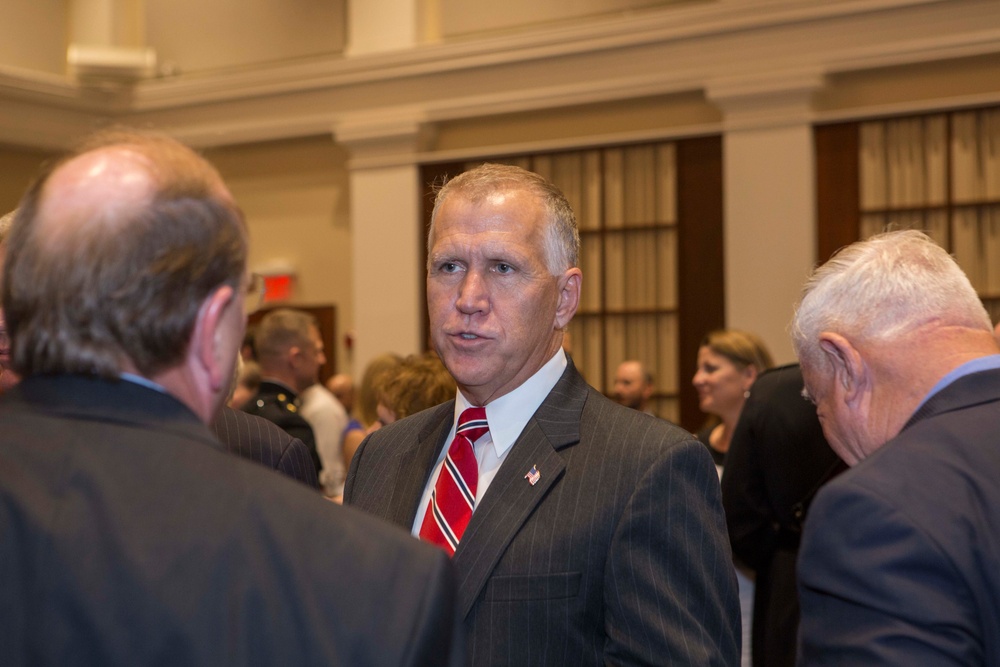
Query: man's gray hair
x=562, y=239
x=279, y=331
x=882, y=287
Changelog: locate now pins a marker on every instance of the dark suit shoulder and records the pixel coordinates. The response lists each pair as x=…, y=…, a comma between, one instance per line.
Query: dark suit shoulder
x=602, y=418
x=406, y=448
x=277, y=407
x=245, y=549
x=260, y=440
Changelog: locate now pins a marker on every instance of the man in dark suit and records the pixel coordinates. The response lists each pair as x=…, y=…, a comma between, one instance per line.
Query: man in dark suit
x=583, y=533
x=899, y=557
x=288, y=364
x=127, y=535
x=777, y=460
x=259, y=440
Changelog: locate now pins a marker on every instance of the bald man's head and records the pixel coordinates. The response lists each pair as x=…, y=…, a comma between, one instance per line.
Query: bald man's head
x=112, y=253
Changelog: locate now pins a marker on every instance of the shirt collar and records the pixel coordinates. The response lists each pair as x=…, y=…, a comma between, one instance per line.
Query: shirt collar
x=986, y=363
x=145, y=382
x=509, y=414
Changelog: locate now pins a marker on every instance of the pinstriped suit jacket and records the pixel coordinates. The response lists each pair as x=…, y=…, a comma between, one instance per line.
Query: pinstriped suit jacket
x=618, y=555
x=259, y=440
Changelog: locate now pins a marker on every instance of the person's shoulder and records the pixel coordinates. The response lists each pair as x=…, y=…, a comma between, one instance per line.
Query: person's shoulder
x=331, y=527
x=779, y=378
x=278, y=407
x=614, y=420
x=228, y=419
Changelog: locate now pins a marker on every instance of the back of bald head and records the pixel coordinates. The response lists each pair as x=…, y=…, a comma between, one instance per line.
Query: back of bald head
x=112, y=251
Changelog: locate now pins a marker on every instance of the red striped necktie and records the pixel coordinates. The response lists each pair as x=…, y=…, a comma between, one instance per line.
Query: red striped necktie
x=454, y=494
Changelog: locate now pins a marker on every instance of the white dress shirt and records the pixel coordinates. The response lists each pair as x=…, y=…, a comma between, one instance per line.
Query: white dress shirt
x=328, y=419
x=507, y=417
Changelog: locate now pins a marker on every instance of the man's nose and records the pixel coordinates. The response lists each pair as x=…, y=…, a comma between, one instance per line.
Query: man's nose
x=472, y=294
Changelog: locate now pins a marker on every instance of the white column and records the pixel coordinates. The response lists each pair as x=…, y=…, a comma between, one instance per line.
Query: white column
x=386, y=239
x=374, y=26
x=770, y=202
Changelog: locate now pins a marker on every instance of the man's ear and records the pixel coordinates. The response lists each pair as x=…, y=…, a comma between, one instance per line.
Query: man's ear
x=294, y=356
x=849, y=368
x=211, y=342
x=569, y=296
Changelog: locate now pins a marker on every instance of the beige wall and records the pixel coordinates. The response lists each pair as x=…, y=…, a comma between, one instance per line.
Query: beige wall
x=906, y=85
x=294, y=195
x=193, y=35
x=18, y=168
x=33, y=34
x=578, y=124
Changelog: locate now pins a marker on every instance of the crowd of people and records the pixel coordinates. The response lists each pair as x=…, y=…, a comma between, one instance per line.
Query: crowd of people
x=165, y=473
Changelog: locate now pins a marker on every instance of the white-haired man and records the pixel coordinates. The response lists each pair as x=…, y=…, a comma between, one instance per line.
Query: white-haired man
x=898, y=563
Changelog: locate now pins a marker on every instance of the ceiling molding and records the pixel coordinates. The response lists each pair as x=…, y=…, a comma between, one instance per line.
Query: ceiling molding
x=674, y=50
x=672, y=24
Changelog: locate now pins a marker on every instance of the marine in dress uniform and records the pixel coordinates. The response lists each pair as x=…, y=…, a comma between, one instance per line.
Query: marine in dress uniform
x=278, y=404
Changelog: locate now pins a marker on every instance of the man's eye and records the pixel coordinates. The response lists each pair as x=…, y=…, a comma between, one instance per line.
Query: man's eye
x=504, y=268
x=449, y=267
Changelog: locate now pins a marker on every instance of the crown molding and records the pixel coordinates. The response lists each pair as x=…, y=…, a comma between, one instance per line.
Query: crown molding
x=787, y=48
x=669, y=25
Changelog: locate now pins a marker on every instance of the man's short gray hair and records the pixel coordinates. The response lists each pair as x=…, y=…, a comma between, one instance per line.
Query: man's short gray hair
x=279, y=331
x=562, y=239
x=882, y=287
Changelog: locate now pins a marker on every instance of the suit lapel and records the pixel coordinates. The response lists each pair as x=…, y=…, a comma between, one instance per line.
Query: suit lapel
x=511, y=498
x=421, y=456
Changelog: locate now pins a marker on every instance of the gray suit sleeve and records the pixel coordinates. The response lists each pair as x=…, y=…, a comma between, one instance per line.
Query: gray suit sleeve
x=671, y=595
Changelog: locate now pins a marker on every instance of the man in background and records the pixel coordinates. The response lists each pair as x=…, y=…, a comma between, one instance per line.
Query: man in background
x=287, y=359
x=633, y=386
x=127, y=536
x=583, y=533
x=290, y=354
x=898, y=563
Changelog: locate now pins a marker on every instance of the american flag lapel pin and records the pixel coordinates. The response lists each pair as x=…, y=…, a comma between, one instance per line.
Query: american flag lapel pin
x=533, y=475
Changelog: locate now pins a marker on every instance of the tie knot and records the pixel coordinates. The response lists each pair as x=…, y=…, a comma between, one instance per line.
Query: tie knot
x=472, y=423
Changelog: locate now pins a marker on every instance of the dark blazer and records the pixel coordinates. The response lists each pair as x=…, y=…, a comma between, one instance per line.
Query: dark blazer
x=899, y=559
x=777, y=460
x=128, y=537
x=617, y=555
x=279, y=405
x=259, y=440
